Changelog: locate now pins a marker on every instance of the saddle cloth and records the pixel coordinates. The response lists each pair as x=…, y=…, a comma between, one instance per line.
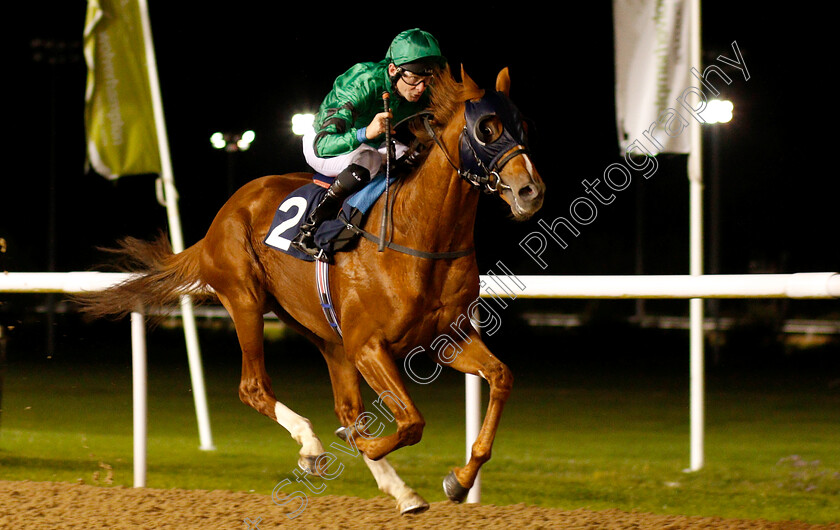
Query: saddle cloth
x=333, y=235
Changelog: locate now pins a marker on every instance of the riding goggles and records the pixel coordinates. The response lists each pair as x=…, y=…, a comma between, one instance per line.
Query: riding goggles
x=411, y=79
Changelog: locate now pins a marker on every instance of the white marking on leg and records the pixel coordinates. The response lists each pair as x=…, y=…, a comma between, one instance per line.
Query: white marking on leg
x=386, y=477
x=300, y=429
x=408, y=501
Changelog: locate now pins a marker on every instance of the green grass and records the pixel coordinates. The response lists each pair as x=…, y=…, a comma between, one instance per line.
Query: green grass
x=569, y=438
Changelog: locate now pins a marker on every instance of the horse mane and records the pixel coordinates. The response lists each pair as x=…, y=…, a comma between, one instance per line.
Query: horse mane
x=446, y=106
x=446, y=98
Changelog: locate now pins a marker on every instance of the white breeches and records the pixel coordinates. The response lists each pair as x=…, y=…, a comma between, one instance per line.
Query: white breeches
x=365, y=155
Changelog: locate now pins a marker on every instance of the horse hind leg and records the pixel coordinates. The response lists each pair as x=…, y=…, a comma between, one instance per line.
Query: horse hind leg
x=255, y=385
x=301, y=431
x=349, y=408
x=390, y=483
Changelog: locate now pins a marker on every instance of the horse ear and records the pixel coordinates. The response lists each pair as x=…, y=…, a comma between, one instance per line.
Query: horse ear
x=467, y=81
x=503, y=82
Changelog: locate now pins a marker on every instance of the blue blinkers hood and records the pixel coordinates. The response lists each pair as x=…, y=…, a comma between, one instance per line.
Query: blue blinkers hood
x=482, y=159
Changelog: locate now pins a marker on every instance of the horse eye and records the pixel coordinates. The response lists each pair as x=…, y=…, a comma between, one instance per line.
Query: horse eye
x=488, y=129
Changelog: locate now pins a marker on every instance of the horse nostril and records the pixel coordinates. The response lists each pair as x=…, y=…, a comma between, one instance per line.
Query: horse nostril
x=526, y=192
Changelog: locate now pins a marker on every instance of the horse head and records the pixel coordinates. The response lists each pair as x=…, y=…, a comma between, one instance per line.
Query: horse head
x=494, y=148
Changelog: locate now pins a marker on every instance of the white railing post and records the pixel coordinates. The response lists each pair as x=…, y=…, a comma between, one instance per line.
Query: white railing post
x=139, y=394
x=472, y=386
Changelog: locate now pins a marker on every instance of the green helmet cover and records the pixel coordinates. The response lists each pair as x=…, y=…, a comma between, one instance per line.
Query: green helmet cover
x=414, y=45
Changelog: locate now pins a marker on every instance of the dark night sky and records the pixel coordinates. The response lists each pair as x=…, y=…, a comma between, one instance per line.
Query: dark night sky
x=250, y=65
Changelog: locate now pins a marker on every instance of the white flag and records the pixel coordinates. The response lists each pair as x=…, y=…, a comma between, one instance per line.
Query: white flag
x=652, y=55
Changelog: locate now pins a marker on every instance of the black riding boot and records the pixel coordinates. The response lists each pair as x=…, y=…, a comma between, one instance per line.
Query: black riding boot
x=346, y=183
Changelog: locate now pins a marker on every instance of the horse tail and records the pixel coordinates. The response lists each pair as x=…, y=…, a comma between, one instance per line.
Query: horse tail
x=159, y=279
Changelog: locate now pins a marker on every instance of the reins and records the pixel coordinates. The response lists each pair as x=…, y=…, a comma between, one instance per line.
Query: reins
x=382, y=241
x=410, y=251
x=486, y=179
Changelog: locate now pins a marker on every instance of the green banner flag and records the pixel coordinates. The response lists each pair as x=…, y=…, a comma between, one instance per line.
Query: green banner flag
x=119, y=118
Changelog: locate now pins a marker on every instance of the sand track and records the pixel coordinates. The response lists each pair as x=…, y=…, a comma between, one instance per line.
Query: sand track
x=35, y=505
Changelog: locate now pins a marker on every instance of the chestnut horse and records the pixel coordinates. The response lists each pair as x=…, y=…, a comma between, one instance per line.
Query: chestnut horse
x=387, y=302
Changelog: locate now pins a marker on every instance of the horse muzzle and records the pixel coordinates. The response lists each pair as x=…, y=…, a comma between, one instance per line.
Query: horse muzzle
x=522, y=188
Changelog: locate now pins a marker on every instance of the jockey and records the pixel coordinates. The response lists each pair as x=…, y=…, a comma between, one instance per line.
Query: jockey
x=350, y=124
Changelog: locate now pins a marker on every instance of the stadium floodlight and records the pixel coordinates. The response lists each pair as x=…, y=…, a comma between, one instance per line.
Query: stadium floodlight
x=217, y=140
x=245, y=140
x=718, y=111
x=302, y=123
x=233, y=141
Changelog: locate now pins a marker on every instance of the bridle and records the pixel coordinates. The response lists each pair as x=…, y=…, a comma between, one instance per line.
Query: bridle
x=483, y=161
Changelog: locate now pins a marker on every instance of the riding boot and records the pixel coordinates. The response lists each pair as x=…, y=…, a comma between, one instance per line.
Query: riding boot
x=346, y=183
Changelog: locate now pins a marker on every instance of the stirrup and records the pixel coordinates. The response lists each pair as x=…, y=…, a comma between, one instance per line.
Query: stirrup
x=321, y=256
x=306, y=244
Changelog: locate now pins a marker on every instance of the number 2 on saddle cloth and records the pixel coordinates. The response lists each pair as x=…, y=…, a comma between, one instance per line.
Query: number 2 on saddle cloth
x=333, y=235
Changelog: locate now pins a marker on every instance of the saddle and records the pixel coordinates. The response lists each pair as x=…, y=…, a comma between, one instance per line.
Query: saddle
x=340, y=234
x=332, y=236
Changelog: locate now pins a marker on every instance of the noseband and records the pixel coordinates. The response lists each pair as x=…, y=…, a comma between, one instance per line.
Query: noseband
x=482, y=161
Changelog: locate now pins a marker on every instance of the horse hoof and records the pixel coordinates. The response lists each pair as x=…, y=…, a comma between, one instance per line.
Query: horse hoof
x=344, y=432
x=453, y=489
x=309, y=464
x=412, y=503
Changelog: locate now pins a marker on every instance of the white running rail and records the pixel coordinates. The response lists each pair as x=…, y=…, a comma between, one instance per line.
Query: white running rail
x=810, y=285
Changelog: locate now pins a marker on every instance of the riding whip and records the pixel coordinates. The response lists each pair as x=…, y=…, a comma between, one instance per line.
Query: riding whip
x=386, y=101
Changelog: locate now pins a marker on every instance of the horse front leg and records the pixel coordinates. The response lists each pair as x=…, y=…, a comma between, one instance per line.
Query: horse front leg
x=375, y=363
x=349, y=408
x=476, y=359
